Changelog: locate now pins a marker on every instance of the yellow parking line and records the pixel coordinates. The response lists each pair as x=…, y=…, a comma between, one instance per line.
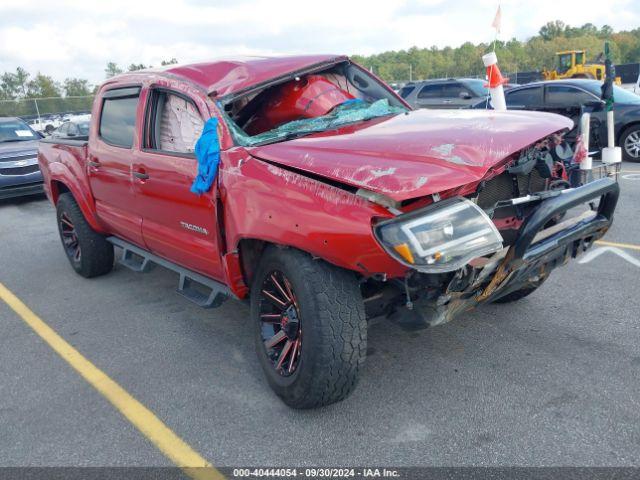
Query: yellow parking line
x=629, y=246
x=140, y=416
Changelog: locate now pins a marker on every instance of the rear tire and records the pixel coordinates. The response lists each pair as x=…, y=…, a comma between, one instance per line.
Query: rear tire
x=326, y=308
x=88, y=252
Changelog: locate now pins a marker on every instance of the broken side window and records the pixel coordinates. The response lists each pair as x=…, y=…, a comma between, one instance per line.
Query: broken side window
x=176, y=123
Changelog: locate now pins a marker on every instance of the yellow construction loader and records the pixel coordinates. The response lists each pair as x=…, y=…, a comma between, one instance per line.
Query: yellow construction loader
x=572, y=64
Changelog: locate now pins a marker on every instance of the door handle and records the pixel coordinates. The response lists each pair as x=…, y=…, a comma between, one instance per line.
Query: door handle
x=140, y=175
x=93, y=162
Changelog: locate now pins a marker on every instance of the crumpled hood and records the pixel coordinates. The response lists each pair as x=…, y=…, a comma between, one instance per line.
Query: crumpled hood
x=16, y=149
x=415, y=154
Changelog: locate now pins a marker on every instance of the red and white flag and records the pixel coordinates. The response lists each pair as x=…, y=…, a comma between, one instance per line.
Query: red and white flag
x=497, y=20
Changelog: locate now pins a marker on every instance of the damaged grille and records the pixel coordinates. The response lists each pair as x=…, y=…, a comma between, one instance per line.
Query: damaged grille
x=531, y=183
x=506, y=186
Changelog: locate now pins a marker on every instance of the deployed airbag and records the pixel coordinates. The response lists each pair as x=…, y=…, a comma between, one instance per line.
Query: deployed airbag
x=350, y=111
x=180, y=125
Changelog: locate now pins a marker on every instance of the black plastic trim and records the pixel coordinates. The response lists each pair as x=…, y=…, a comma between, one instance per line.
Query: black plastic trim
x=605, y=188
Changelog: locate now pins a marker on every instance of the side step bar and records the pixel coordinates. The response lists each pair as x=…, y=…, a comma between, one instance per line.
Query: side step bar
x=203, y=291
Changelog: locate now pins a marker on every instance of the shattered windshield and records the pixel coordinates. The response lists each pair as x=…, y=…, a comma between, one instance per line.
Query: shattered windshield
x=351, y=111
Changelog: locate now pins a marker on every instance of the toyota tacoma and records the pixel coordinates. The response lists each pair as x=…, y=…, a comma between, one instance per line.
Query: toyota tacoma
x=306, y=186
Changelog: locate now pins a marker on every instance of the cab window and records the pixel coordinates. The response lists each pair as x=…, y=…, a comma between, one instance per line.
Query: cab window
x=174, y=123
x=524, y=97
x=118, y=116
x=567, y=96
x=406, y=90
x=453, y=90
x=431, y=91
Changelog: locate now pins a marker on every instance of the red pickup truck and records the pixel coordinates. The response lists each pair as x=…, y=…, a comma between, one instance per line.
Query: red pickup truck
x=329, y=202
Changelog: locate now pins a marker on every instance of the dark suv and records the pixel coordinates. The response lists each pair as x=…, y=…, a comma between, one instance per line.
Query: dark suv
x=568, y=97
x=19, y=170
x=448, y=93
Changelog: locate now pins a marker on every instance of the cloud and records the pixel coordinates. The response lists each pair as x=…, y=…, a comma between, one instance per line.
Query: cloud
x=65, y=38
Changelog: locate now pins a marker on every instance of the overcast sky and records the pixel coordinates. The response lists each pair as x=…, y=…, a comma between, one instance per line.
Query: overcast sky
x=77, y=38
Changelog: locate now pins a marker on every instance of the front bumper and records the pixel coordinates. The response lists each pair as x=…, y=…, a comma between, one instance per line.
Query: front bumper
x=532, y=257
x=21, y=190
x=536, y=251
x=19, y=185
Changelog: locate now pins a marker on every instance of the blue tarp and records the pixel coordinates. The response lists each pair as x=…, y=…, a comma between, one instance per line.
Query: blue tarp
x=208, y=155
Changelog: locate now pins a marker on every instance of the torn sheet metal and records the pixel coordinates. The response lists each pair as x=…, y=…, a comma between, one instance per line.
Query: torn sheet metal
x=428, y=150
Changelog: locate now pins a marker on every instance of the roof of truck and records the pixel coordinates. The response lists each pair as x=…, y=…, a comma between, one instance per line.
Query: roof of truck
x=230, y=75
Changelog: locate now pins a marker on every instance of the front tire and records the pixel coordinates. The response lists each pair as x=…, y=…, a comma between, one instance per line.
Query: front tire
x=88, y=252
x=310, y=327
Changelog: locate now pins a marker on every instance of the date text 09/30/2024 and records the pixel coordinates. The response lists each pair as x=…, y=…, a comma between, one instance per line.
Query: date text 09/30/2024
x=316, y=472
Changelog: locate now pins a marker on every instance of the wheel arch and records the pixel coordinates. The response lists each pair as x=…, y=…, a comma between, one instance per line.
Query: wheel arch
x=58, y=187
x=625, y=127
x=249, y=251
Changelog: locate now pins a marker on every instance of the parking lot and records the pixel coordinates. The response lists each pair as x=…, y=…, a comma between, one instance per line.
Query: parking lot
x=550, y=380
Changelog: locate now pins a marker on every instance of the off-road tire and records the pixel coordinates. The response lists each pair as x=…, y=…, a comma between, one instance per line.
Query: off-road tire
x=96, y=252
x=626, y=156
x=333, y=325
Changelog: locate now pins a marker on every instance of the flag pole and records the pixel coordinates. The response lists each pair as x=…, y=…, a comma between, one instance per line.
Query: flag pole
x=490, y=61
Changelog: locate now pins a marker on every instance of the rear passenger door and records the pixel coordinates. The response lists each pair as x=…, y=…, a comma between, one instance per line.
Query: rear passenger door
x=111, y=150
x=176, y=224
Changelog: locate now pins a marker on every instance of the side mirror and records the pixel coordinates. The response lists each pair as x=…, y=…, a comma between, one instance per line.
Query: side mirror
x=464, y=95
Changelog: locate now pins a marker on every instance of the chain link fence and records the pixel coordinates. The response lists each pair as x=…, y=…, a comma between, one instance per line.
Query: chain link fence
x=38, y=107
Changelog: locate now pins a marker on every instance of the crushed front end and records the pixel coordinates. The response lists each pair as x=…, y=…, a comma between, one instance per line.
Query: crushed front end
x=505, y=237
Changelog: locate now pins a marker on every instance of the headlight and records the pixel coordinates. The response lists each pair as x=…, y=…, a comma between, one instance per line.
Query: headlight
x=441, y=237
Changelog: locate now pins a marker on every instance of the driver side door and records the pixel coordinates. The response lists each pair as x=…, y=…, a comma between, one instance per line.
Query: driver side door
x=177, y=224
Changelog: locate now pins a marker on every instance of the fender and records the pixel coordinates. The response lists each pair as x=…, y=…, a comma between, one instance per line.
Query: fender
x=267, y=203
x=78, y=185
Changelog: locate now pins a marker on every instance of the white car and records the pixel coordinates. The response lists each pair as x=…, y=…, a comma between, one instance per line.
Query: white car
x=44, y=125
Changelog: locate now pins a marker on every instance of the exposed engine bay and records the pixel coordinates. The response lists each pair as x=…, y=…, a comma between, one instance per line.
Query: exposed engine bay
x=427, y=297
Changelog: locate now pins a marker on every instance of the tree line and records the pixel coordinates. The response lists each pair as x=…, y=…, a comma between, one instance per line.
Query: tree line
x=536, y=53
x=21, y=84
x=23, y=94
